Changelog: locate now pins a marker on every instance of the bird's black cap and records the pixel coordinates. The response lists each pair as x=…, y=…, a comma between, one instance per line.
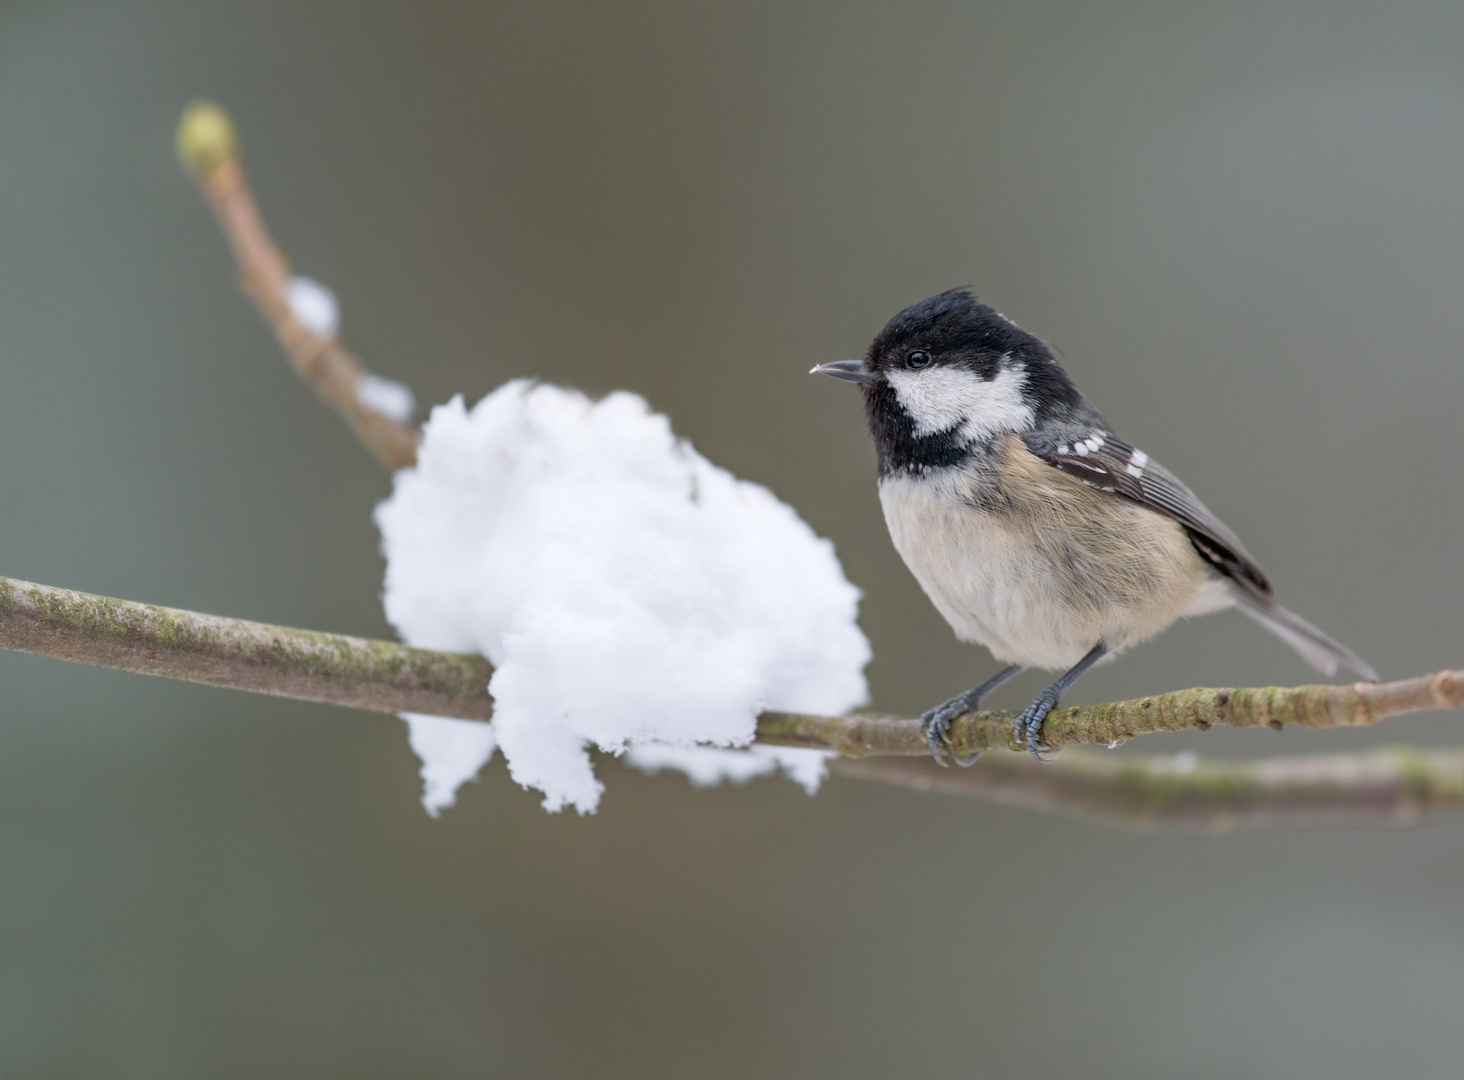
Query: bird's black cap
x=957, y=328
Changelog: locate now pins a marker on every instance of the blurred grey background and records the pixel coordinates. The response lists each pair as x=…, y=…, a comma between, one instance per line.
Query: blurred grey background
x=1241, y=224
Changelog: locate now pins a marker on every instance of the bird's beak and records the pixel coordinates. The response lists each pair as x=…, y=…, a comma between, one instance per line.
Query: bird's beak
x=852, y=371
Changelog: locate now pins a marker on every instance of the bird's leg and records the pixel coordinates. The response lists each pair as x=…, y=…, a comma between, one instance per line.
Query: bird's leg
x=937, y=721
x=1029, y=725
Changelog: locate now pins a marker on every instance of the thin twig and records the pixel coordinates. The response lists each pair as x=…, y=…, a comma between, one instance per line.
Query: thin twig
x=210, y=149
x=1393, y=786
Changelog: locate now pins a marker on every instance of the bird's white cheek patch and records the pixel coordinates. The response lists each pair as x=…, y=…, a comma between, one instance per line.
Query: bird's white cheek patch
x=939, y=399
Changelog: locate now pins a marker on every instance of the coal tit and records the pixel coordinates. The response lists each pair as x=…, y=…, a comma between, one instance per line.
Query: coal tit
x=1032, y=527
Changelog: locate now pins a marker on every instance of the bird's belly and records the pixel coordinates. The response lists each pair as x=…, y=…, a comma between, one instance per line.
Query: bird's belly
x=1042, y=580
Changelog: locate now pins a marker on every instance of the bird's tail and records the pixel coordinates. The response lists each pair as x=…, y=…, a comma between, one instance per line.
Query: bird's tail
x=1320, y=651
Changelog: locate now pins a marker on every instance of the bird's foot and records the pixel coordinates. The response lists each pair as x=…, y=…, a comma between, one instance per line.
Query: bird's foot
x=1028, y=728
x=936, y=723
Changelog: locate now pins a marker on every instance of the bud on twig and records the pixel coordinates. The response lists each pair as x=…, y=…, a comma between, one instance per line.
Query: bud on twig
x=206, y=138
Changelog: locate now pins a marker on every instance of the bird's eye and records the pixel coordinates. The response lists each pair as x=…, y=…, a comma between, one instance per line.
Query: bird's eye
x=917, y=359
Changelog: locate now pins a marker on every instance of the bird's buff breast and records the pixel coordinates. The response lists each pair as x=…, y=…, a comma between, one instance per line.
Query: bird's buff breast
x=1038, y=567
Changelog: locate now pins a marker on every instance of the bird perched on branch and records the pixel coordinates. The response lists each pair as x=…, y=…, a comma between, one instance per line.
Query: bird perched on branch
x=1034, y=529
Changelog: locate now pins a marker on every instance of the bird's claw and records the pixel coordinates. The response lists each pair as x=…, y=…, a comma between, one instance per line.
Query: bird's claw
x=1028, y=728
x=936, y=724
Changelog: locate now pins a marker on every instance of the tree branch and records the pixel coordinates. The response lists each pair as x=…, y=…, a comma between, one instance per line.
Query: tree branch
x=236, y=654
x=385, y=676
x=1354, y=705
x=1395, y=786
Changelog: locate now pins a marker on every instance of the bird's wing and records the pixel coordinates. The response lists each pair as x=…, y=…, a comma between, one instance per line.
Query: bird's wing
x=1101, y=460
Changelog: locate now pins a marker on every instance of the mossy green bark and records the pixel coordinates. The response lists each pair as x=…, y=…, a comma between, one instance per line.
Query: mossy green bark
x=1116, y=722
x=379, y=675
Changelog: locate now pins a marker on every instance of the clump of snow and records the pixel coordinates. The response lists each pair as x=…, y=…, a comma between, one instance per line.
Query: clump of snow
x=386, y=396
x=708, y=766
x=452, y=752
x=314, y=306
x=630, y=595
